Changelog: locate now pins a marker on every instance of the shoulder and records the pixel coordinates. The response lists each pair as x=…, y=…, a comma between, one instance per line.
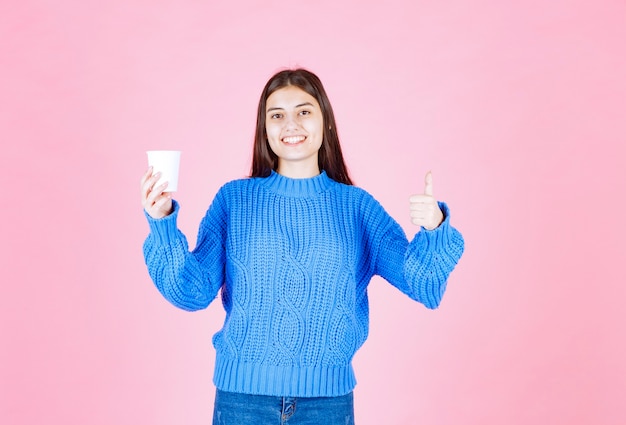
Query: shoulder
x=229, y=194
x=357, y=194
x=237, y=186
x=359, y=202
x=350, y=190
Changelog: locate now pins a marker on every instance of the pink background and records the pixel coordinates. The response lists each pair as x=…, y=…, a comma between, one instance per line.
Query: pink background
x=517, y=107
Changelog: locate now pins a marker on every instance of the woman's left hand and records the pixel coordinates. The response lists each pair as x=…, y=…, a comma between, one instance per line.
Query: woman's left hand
x=424, y=208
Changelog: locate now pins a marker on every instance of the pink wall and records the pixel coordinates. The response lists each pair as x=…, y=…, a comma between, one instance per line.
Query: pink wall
x=517, y=107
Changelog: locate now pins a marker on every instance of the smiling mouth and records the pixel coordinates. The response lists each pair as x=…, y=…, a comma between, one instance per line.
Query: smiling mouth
x=292, y=140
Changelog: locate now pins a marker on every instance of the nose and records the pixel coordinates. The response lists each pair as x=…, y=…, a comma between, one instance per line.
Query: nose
x=291, y=122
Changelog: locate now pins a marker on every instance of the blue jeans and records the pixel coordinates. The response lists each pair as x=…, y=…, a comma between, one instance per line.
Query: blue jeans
x=244, y=409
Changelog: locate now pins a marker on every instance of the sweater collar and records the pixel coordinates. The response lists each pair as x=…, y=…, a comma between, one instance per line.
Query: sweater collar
x=297, y=187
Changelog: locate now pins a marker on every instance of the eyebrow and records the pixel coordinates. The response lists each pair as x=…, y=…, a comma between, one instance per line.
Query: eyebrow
x=297, y=106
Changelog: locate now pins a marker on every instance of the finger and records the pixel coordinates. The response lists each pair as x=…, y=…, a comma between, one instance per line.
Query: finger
x=148, y=185
x=147, y=181
x=162, y=207
x=418, y=221
x=151, y=196
x=421, y=199
x=162, y=200
x=428, y=188
x=430, y=207
x=155, y=193
x=423, y=212
x=419, y=215
x=146, y=176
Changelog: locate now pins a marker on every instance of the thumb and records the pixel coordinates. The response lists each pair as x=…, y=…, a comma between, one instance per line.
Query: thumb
x=428, y=188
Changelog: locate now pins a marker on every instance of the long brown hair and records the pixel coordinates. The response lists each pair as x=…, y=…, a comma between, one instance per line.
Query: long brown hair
x=330, y=157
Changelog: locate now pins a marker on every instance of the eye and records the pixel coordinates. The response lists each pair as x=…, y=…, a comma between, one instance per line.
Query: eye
x=276, y=116
x=305, y=112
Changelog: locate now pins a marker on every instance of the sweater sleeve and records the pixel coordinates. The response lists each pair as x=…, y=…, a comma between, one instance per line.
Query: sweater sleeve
x=188, y=280
x=420, y=268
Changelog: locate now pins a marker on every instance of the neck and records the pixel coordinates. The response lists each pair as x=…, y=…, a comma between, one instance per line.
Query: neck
x=297, y=187
x=298, y=171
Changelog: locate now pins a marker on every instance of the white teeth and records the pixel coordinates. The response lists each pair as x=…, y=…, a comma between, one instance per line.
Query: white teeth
x=293, y=139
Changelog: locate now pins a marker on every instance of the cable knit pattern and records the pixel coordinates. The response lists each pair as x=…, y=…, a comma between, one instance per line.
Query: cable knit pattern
x=293, y=259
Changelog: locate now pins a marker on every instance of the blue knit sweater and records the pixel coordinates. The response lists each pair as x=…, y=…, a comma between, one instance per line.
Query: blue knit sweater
x=293, y=259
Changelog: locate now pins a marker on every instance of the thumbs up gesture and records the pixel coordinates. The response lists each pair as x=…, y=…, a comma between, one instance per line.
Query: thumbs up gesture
x=424, y=208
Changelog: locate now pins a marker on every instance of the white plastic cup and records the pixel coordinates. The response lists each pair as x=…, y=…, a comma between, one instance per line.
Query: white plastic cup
x=168, y=163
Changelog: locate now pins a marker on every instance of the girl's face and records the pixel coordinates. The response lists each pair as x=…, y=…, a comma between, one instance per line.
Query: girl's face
x=295, y=129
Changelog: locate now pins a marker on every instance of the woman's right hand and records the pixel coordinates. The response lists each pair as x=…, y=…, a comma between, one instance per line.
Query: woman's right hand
x=155, y=201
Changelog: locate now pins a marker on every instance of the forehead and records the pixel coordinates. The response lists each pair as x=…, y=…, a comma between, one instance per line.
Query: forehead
x=290, y=97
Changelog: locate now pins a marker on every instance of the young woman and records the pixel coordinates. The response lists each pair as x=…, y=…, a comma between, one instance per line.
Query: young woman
x=292, y=249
